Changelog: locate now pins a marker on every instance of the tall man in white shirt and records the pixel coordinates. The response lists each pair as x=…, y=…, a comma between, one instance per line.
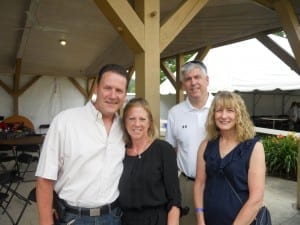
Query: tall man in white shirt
x=81, y=158
x=186, y=129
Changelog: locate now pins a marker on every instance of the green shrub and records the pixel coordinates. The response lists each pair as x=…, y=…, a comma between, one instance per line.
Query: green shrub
x=281, y=155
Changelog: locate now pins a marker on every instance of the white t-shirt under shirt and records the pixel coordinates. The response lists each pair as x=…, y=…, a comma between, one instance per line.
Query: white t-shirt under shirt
x=185, y=131
x=84, y=161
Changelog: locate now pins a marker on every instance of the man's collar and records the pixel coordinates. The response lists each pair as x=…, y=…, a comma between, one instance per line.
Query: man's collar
x=206, y=105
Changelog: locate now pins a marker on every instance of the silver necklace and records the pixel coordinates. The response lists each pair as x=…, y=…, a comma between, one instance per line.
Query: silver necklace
x=138, y=153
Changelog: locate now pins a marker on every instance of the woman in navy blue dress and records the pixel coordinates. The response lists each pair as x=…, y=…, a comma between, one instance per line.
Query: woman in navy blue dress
x=230, y=180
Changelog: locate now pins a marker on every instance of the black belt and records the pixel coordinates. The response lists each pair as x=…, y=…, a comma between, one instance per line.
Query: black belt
x=187, y=177
x=99, y=211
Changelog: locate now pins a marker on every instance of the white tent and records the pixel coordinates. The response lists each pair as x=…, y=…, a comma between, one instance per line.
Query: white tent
x=246, y=66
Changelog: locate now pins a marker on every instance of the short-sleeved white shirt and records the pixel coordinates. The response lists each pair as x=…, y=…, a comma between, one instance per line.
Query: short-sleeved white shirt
x=84, y=161
x=185, y=131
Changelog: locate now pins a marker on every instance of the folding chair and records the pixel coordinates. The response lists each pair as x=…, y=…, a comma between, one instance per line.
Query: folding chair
x=7, y=155
x=32, y=198
x=9, y=179
x=26, y=156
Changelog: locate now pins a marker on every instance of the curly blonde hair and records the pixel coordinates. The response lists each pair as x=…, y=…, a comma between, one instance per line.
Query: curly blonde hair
x=244, y=126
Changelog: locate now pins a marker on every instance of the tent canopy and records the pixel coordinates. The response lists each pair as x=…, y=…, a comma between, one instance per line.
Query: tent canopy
x=246, y=66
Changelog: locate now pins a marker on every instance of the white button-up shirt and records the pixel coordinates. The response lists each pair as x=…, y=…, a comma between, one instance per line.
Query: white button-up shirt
x=84, y=161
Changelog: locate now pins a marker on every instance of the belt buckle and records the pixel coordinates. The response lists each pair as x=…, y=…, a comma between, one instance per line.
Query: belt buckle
x=95, y=212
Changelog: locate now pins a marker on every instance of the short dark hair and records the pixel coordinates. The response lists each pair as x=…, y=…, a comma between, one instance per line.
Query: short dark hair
x=116, y=69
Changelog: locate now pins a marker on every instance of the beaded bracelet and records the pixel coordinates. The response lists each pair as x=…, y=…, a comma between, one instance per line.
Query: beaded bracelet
x=199, y=210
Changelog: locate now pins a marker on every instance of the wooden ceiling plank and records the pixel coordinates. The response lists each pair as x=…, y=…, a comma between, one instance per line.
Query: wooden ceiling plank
x=28, y=85
x=279, y=52
x=178, y=21
x=265, y=3
x=5, y=87
x=125, y=21
x=222, y=43
x=290, y=25
x=102, y=58
x=79, y=88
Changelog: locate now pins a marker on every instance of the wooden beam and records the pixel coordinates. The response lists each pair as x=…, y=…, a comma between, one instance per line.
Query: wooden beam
x=91, y=86
x=202, y=53
x=147, y=63
x=26, y=32
x=125, y=21
x=17, y=75
x=178, y=21
x=179, y=90
x=168, y=73
x=79, y=88
x=279, y=52
x=290, y=25
x=6, y=88
x=28, y=85
x=131, y=71
x=222, y=43
x=16, y=83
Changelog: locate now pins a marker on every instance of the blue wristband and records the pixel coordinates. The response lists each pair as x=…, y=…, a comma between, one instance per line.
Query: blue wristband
x=199, y=210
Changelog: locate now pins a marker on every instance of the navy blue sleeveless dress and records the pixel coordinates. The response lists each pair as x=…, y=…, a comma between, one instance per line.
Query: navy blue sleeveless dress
x=220, y=203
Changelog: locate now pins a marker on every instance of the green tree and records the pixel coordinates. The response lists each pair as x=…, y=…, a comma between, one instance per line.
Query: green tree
x=171, y=64
x=281, y=34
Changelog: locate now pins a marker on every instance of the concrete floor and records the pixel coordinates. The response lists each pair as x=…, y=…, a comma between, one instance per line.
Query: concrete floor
x=280, y=197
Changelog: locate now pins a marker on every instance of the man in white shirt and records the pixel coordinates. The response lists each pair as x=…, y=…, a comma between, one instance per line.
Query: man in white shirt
x=186, y=129
x=81, y=158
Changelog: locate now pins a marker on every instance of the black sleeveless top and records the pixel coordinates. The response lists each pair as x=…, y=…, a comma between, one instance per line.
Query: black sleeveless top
x=220, y=203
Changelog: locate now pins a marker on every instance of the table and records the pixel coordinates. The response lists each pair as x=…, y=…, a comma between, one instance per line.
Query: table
x=26, y=140
x=25, y=150
x=274, y=119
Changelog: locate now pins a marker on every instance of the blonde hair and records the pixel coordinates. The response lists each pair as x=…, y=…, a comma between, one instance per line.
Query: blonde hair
x=138, y=102
x=244, y=126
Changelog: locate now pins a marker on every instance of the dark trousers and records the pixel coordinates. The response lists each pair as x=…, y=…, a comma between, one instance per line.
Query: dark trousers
x=149, y=216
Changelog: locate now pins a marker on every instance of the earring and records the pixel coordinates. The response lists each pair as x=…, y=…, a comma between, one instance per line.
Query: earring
x=94, y=98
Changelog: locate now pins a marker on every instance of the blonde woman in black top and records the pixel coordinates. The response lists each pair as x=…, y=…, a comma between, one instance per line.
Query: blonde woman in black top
x=149, y=186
